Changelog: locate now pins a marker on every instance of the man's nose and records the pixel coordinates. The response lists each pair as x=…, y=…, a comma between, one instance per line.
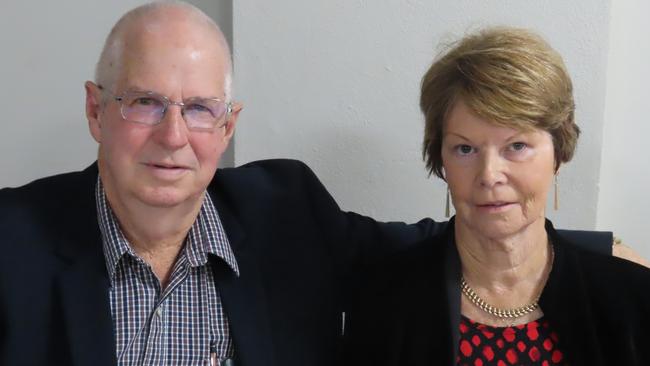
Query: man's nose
x=172, y=130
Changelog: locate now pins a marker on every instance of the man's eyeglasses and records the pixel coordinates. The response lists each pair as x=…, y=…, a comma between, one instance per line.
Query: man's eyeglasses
x=149, y=108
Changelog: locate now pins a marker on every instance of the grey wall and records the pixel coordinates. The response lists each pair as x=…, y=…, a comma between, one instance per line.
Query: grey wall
x=49, y=50
x=335, y=83
x=221, y=12
x=624, y=198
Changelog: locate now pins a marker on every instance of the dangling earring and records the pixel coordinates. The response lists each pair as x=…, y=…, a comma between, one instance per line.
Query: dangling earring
x=556, y=199
x=447, y=204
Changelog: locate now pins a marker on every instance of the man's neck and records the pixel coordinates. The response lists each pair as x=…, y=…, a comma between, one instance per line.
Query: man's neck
x=156, y=234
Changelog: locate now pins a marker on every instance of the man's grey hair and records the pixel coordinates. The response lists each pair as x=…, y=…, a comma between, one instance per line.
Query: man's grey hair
x=111, y=57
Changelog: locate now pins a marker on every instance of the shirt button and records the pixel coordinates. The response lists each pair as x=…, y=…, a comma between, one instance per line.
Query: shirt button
x=159, y=312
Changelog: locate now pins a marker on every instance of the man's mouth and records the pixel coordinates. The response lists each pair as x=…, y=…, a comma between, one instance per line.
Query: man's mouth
x=166, y=166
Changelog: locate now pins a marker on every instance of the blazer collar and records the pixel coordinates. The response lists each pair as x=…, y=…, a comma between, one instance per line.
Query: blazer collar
x=83, y=288
x=83, y=282
x=429, y=304
x=566, y=306
x=244, y=298
x=452, y=273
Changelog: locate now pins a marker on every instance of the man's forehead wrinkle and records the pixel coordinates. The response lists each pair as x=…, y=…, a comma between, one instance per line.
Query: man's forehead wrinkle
x=177, y=33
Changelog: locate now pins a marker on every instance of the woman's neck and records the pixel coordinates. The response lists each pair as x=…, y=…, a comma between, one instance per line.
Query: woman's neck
x=505, y=260
x=506, y=272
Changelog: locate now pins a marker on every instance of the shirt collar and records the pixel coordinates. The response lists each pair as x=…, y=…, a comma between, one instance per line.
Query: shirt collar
x=206, y=236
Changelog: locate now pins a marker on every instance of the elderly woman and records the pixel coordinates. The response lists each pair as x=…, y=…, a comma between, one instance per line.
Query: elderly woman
x=506, y=289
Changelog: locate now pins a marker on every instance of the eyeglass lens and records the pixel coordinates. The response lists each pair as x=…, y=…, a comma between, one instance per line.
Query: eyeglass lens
x=149, y=108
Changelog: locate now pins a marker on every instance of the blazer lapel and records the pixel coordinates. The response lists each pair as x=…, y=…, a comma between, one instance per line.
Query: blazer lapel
x=244, y=298
x=430, y=302
x=87, y=317
x=564, y=304
x=83, y=282
x=452, y=273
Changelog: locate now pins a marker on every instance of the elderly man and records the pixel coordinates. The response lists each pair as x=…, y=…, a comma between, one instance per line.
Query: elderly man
x=148, y=256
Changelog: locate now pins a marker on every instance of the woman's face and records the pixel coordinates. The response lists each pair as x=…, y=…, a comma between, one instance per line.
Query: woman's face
x=499, y=177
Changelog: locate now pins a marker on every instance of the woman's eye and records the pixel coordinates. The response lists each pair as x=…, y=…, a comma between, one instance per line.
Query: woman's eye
x=518, y=146
x=464, y=149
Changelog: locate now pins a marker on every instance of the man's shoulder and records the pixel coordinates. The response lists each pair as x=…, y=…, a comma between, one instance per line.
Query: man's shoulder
x=49, y=189
x=55, y=209
x=46, y=203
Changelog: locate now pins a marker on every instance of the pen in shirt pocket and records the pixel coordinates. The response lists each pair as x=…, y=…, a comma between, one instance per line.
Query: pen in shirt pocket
x=213, y=355
x=214, y=359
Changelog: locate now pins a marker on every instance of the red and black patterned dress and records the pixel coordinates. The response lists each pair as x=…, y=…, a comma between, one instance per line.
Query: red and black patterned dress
x=533, y=343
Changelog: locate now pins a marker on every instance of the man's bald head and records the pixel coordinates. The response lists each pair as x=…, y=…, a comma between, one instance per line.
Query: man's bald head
x=156, y=19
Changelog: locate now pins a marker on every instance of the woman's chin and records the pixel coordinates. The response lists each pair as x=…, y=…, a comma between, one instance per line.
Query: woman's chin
x=494, y=225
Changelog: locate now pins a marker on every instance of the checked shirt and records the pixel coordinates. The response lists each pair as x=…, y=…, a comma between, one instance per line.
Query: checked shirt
x=182, y=324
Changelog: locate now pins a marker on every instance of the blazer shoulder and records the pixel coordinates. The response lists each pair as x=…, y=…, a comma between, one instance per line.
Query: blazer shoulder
x=265, y=176
x=47, y=190
x=270, y=168
x=36, y=213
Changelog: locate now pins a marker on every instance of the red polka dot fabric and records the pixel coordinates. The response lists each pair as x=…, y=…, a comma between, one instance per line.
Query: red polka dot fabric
x=533, y=343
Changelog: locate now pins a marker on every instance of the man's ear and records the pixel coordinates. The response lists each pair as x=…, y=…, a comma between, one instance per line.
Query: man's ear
x=232, y=121
x=94, y=109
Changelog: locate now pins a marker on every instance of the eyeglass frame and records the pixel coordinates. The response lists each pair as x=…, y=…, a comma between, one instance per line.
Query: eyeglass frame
x=166, y=103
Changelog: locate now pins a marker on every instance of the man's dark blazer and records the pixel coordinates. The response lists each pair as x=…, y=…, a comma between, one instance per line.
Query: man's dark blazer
x=294, y=246
x=409, y=313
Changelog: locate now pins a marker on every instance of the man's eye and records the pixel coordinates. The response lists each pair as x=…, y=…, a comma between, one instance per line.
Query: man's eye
x=144, y=101
x=198, y=108
x=464, y=149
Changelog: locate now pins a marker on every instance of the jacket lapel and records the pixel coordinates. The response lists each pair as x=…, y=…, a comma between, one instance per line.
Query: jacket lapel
x=87, y=317
x=430, y=301
x=83, y=282
x=565, y=303
x=452, y=273
x=244, y=298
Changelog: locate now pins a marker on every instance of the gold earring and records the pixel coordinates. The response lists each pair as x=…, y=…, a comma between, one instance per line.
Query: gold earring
x=556, y=199
x=447, y=204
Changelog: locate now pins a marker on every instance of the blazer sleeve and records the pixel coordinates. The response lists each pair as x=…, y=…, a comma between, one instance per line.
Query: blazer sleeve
x=357, y=240
x=360, y=240
x=595, y=241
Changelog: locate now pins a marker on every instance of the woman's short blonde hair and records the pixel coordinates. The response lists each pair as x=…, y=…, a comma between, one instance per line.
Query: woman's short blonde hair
x=508, y=76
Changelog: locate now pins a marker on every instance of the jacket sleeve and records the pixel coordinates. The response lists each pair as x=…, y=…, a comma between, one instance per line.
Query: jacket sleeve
x=356, y=240
x=595, y=241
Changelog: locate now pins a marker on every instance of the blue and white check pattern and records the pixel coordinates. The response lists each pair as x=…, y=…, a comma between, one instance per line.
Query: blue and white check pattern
x=181, y=324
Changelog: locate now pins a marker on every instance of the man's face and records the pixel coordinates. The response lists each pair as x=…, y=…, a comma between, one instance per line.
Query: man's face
x=165, y=164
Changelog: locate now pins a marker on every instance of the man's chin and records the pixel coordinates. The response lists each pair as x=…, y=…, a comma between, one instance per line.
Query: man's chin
x=167, y=197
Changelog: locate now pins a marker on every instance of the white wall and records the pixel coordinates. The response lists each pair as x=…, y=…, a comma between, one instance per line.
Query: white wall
x=335, y=83
x=624, y=199
x=49, y=49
